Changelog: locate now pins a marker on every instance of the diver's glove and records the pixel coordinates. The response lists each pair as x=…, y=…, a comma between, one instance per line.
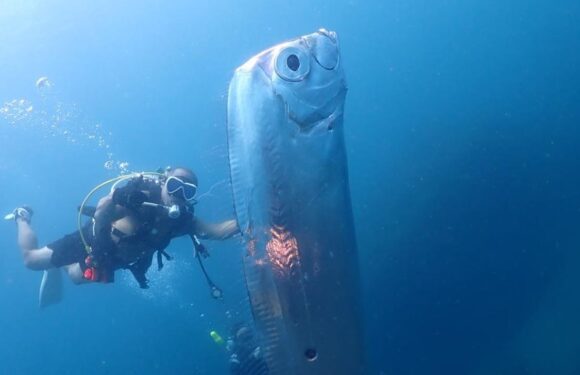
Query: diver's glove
x=129, y=195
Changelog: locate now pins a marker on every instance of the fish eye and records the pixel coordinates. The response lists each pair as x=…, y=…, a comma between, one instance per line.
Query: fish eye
x=292, y=64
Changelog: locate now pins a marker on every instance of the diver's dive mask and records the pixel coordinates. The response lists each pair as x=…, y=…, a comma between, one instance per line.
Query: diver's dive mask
x=175, y=184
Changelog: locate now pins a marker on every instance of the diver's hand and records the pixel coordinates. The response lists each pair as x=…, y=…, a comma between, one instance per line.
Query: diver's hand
x=129, y=196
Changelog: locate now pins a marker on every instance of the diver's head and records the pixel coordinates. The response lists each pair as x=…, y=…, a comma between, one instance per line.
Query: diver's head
x=179, y=187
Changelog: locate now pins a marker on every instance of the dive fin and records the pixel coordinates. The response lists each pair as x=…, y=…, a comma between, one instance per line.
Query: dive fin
x=50, y=288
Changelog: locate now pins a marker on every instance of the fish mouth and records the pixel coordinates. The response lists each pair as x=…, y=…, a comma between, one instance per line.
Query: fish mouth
x=323, y=118
x=324, y=48
x=308, y=115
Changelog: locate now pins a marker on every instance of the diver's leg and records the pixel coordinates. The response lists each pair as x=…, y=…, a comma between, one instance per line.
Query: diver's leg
x=34, y=258
x=41, y=259
x=51, y=286
x=50, y=292
x=75, y=273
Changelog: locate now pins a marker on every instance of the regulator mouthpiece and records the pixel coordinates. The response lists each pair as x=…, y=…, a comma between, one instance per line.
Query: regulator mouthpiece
x=174, y=212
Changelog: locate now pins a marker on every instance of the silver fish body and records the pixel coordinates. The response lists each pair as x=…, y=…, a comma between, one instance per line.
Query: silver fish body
x=292, y=202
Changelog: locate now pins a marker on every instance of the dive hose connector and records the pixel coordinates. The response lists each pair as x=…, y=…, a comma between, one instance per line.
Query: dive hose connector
x=174, y=211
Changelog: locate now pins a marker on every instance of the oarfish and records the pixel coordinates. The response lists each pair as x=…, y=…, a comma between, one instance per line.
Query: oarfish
x=292, y=201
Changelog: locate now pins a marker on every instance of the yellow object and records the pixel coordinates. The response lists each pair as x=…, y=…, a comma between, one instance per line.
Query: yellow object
x=216, y=337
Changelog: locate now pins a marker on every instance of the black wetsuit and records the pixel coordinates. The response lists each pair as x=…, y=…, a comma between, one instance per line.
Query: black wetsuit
x=70, y=249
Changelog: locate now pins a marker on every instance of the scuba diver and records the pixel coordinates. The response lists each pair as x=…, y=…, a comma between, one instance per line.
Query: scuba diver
x=128, y=227
x=245, y=353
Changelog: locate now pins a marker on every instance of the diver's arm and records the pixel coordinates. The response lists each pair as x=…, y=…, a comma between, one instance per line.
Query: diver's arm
x=215, y=231
x=119, y=203
x=107, y=212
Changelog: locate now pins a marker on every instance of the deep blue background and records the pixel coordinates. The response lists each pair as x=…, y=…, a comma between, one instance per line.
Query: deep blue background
x=462, y=133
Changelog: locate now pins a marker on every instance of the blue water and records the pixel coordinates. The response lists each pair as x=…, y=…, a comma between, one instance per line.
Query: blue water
x=462, y=135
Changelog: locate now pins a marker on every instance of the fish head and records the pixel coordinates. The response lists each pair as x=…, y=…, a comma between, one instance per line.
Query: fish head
x=306, y=74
